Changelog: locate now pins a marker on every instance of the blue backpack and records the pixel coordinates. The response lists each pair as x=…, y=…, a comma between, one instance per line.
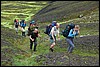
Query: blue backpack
x=22, y=24
x=49, y=27
x=66, y=31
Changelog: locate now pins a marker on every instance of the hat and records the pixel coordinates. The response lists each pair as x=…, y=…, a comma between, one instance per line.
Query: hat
x=32, y=22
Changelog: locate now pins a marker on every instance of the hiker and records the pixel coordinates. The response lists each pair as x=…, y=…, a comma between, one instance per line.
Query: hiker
x=49, y=27
x=31, y=27
x=72, y=33
x=23, y=25
x=16, y=23
x=54, y=31
x=33, y=38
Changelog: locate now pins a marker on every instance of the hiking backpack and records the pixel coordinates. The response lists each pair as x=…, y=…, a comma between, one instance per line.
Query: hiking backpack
x=49, y=27
x=23, y=24
x=66, y=31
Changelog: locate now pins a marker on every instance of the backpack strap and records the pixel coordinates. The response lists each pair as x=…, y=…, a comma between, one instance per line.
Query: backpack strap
x=55, y=28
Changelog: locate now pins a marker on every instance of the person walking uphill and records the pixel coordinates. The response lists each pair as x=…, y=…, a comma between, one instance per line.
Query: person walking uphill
x=33, y=38
x=73, y=32
x=53, y=33
x=31, y=27
x=16, y=23
x=23, y=25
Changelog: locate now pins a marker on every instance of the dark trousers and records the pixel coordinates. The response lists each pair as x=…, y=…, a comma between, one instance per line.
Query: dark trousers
x=31, y=44
x=23, y=33
x=16, y=26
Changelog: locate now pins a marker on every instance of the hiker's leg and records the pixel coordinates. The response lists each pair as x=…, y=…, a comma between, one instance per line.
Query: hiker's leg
x=53, y=42
x=31, y=44
x=23, y=27
x=35, y=44
x=23, y=33
x=17, y=30
x=68, y=44
x=52, y=45
x=71, y=45
x=16, y=27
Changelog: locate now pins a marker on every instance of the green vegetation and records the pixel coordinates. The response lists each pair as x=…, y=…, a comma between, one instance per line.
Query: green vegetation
x=20, y=10
x=15, y=48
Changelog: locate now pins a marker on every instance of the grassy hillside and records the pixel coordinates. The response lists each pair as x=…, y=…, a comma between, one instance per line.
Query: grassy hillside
x=10, y=46
x=11, y=43
x=15, y=48
x=19, y=10
x=61, y=10
x=15, y=51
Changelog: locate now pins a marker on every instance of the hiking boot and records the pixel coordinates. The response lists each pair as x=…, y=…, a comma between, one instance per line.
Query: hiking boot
x=51, y=49
x=34, y=50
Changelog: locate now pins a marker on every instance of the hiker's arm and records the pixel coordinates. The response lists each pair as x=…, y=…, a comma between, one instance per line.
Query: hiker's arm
x=53, y=36
x=31, y=38
x=39, y=35
x=25, y=25
x=72, y=34
x=77, y=32
x=58, y=35
x=52, y=33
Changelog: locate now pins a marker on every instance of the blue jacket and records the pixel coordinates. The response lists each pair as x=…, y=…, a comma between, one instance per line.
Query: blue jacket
x=71, y=34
